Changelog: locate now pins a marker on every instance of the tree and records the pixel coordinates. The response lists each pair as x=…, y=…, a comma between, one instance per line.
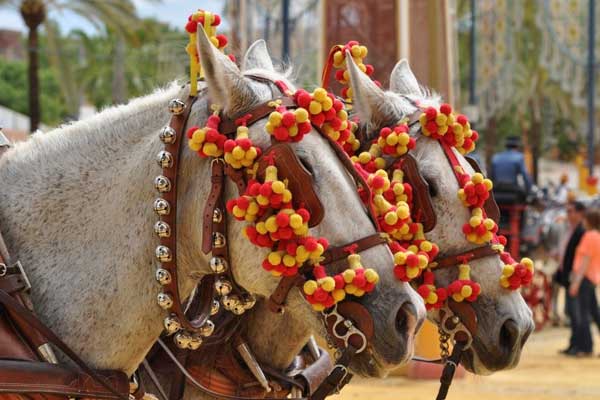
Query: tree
x=117, y=14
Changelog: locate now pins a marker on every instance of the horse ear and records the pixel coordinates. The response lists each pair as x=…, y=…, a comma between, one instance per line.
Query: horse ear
x=403, y=81
x=226, y=84
x=257, y=56
x=368, y=98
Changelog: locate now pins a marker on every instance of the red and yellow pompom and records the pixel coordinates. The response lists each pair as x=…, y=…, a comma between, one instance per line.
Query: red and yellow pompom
x=352, y=144
x=395, y=142
x=325, y=291
x=207, y=141
x=476, y=191
x=516, y=275
x=479, y=230
x=286, y=224
x=244, y=208
x=454, y=130
x=434, y=297
x=240, y=152
x=392, y=219
x=398, y=190
x=307, y=248
x=280, y=263
x=408, y=263
x=273, y=193
x=359, y=280
x=370, y=160
x=288, y=125
x=464, y=288
x=342, y=75
x=378, y=181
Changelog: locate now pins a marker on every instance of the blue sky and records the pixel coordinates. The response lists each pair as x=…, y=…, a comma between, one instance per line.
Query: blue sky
x=174, y=12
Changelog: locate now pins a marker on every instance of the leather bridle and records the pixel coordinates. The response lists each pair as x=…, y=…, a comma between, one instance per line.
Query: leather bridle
x=349, y=324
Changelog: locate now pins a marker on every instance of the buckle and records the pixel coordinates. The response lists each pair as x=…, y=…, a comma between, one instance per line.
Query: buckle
x=24, y=275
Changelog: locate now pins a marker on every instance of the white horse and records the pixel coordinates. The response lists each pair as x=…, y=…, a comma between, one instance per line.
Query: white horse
x=76, y=210
x=504, y=320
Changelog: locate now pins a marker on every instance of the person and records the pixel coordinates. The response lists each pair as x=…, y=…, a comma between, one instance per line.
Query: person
x=569, y=242
x=507, y=167
x=584, y=278
x=561, y=193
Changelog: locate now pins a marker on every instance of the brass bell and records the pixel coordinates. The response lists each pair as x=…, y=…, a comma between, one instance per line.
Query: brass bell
x=195, y=342
x=207, y=329
x=162, y=184
x=162, y=207
x=167, y=135
x=164, y=301
x=223, y=287
x=217, y=215
x=218, y=265
x=219, y=240
x=248, y=301
x=229, y=302
x=163, y=276
x=182, y=340
x=214, y=308
x=162, y=229
x=176, y=106
x=164, y=159
x=238, y=309
x=172, y=324
x=163, y=254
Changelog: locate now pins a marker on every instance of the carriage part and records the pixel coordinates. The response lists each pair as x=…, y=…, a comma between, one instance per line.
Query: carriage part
x=176, y=107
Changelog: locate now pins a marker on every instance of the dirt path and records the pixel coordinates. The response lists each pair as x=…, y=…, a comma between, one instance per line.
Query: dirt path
x=542, y=374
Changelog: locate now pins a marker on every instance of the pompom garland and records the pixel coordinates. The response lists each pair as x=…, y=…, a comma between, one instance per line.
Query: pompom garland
x=515, y=275
x=454, y=130
x=342, y=75
x=476, y=191
x=288, y=125
x=273, y=193
x=370, y=160
x=240, y=152
x=464, y=288
x=395, y=142
x=434, y=297
x=398, y=190
x=479, y=230
x=207, y=141
x=357, y=279
x=378, y=182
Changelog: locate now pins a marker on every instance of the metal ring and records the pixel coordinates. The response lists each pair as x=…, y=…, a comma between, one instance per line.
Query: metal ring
x=218, y=159
x=3, y=269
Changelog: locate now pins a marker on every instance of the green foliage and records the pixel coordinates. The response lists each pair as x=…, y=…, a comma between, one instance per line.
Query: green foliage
x=13, y=93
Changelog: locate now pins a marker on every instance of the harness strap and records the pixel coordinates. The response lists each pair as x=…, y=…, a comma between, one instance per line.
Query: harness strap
x=337, y=253
x=449, y=370
x=472, y=254
x=338, y=377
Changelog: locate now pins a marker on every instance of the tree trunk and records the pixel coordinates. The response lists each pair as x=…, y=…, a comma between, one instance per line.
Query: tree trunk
x=33, y=80
x=33, y=13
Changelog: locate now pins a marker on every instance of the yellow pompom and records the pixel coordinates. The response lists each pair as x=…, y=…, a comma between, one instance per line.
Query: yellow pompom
x=350, y=289
x=327, y=283
x=194, y=146
x=320, y=94
x=289, y=261
x=403, y=211
x=400, y=258
x=371, y=275
x=327, y=103
x=475, y=221
x=432, y=298
x=338, y=295
x=271, y=224
x=348, y=275
x=278, y=187
x=441, y=119
x=466, y=291
x=315, y=107
x=296, y=221
x=274, y=258
x=391, y=218
x=275, y=118
x=412, y=272
x=310, y=287
x=301, y=115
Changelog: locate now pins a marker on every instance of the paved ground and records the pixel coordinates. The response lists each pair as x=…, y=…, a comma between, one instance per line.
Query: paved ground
x=542, y=374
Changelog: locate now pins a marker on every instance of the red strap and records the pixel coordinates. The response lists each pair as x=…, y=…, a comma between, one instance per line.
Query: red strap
x=329, y=65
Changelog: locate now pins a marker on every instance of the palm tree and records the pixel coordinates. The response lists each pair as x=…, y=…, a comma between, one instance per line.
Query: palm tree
x=117, y=14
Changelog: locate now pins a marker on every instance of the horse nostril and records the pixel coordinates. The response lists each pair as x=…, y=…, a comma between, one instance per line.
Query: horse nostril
x=509, y=335
x=406, y=319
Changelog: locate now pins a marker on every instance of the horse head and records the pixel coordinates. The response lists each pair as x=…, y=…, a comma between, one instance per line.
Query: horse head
x=396, y=310
x=503, y=320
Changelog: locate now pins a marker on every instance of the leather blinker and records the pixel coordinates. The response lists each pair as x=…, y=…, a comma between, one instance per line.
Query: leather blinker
x=421, y=196
x=300, y=182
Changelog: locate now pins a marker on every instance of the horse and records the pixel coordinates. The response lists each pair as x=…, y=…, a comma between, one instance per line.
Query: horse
x=76, y=211
x=504, y=321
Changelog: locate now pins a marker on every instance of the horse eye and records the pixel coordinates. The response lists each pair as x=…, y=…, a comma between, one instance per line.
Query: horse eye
x=307, y=165
x=432, y=188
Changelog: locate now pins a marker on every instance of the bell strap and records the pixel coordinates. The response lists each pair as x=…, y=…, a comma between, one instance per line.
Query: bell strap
x=13, y=305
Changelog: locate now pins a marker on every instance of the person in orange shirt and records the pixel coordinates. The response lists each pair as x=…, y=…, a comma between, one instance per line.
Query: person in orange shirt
x=585, y=277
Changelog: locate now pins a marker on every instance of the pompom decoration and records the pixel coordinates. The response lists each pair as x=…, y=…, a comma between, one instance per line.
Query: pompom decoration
x=378, y=181
x=359, y=280
x=398, y=190
x=273, y=193
x=479, y=230
x=288, y=125
x=240, y=152
x=395, y=142
x=325, y=291
x=476, y=191
x=464, y=288
x=454, y=130
x=392, y=219
x=352, y=144
x=370, y=160
x=244, y=208
x=434, y=297
x=516, y=275
x=408, y=263
x=285, y=225
x=280, y=263
x=342, y=75
x=207, y=141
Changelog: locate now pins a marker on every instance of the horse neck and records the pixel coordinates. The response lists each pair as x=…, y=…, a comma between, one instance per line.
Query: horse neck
x=75, y=209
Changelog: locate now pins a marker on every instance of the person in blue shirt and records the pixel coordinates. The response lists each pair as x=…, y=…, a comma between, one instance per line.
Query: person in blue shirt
x=508, y=165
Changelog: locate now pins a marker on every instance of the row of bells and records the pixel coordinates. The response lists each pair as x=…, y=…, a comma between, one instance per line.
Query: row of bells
x=231, y=302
